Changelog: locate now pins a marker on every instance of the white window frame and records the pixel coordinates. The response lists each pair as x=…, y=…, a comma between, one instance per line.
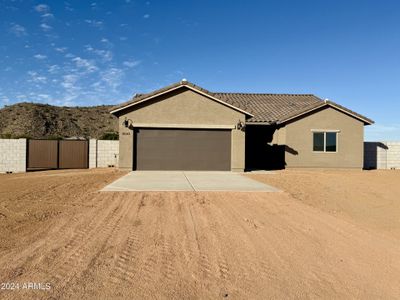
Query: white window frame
x=325, y=131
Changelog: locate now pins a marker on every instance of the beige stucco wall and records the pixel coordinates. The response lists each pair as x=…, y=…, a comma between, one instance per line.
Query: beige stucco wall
x=299, y=137
x=279, y=136
x=183, y=106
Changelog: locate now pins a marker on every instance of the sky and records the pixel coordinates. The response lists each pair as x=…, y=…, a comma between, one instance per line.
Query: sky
x=83, y=53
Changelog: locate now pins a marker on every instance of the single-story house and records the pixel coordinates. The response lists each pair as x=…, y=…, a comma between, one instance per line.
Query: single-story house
x=185, y=127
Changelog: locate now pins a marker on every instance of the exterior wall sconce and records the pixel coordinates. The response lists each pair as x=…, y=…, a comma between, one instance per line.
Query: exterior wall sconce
x=240, y=125
x=127, y=122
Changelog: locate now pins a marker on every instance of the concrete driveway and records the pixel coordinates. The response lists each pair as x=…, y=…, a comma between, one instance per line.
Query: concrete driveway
x=187, y=181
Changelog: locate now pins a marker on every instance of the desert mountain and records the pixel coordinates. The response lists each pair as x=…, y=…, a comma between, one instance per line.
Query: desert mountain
x=34, y=120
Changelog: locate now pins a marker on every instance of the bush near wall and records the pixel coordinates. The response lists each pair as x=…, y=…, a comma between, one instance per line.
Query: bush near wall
x=111, y=136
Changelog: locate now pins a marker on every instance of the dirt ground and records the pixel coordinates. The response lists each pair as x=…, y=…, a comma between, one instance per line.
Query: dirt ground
x=306, y=242
x=369, y=198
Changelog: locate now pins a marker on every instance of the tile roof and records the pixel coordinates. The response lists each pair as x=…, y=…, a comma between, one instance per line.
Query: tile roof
x=262, y=108
x=270, y=108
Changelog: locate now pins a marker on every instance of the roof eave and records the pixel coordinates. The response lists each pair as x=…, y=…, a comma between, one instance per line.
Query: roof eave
x=260, y=123
x=175, y=87
x=365, y=120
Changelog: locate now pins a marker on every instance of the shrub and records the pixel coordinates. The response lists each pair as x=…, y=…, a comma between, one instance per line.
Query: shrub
x=110, y=136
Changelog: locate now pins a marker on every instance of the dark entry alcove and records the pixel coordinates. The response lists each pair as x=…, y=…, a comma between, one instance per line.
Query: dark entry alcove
x=261, y=154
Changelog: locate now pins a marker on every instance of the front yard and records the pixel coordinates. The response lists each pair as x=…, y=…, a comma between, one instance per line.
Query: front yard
x=332, y=234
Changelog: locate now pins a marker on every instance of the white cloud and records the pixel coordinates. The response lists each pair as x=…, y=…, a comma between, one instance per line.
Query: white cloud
x=44, y=96
x=68, y=6
x=18, y=30
x=94, y=23
x=61, y=49
x=85, y=64
x=123, y=38
x=146, y=16
x=71, y=88
x=36, y=78
x=53, y=69
x=89, y=48
x=42, y=8
x=40, y=56
x=48, y=16
x=45, y=27
x=104, y=40
x=106, y=55
x=69, y=81
x=131, y=63
x=112, y=77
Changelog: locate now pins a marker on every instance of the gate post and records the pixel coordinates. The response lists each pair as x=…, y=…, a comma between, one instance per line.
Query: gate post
x=92, y=153
x=22, y=151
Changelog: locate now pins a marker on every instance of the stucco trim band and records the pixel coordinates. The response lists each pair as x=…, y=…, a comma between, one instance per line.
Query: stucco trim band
x=325, y=130
x=189, y=126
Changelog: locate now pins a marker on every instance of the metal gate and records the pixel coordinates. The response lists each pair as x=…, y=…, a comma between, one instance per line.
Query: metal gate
x=73, y=154
x=53, y=154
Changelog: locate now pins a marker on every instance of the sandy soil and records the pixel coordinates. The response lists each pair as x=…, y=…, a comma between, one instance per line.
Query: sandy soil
x=56, y=227
x=369, y=198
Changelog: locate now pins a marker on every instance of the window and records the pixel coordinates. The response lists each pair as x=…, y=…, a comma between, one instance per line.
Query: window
x=325, y=141
x=330, y=141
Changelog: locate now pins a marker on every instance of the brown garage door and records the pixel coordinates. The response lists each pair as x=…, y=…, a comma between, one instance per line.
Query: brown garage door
x=182, y=149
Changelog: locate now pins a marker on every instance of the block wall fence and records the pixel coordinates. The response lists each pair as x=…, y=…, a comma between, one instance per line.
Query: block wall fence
x=13, y=152
x=12, y=155
x=382, y=155
x=104, y=153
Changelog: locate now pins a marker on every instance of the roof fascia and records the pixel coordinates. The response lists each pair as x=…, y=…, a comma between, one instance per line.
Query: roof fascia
x=178, y=87
x=366, y=121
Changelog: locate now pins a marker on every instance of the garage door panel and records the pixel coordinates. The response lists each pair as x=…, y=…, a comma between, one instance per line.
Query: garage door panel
x=183, y=149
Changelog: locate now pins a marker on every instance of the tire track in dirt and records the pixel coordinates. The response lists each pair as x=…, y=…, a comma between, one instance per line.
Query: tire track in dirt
x=41, y=253
x=152, y=257
x=188, y=242
x=219, y=266
x=146, y=270
x=110, y=231
x=268, y=252
x=82, y=231
x=42, y=248
x=168, y=248
x=235, y=267
x=79, y=253
x=201, y=246
x=124, y=266
x=205, y=269
x=64, y=263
